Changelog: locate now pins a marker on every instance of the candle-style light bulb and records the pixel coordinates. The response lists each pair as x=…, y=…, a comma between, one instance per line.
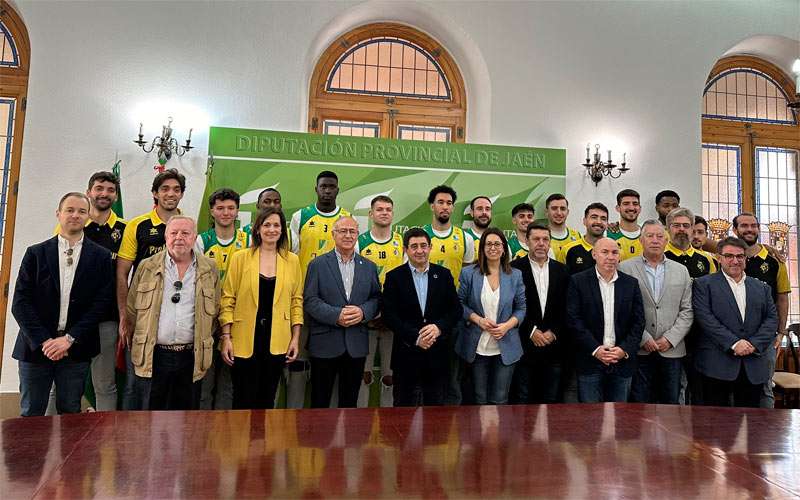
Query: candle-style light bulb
x=190, y=135
x=140, y=128
x=609, y=156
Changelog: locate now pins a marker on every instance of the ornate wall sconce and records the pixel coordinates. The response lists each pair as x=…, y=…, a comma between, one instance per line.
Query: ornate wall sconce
x=597, y=168
x=165, y=143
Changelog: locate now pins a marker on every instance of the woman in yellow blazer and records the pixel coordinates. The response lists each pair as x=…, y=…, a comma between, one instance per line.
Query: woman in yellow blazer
x=261, y=312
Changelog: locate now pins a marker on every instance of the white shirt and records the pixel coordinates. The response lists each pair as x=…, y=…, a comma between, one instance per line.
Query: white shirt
x=607, y=294
x=739, y=292
x=176, y=321
x=66, y=274
x=487, y=345
x=541, y=276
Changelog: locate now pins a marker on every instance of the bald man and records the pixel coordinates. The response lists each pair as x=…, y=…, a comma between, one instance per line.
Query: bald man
x=605, y=317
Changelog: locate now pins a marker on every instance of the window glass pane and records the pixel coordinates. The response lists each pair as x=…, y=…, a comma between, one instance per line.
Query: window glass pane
x=423, y=133
x=8, y=52
x=745, y=94
x=720, y=170
x=351, y=128
x=7, y=109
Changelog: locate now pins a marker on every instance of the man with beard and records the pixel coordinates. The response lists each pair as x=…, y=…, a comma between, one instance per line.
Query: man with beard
x=557, y=210
x=666, y=201
x=311, y=235
x=763, y=266
x=521, y=215
x=481, y=208
x=578, y=255
x=451, y=246
x=700, y=237
x=219, y=243
x=384, y=248
x=143, y=238
x=679, y=248
x=626, y=232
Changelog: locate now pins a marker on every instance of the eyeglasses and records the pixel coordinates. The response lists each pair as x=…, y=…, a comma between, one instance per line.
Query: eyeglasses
x=353, y=232
x=69, y=253
x=732, y=256
x=678, y=225
x=176, y=297
x=493, y=244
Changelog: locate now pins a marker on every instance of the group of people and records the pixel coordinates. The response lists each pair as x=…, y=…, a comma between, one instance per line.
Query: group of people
x=650, y=312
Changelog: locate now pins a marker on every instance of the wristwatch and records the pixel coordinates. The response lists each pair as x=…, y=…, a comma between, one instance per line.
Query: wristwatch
x=69, y=338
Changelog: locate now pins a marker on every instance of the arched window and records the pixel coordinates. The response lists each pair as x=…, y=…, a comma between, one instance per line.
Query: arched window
x=14, y=63
x=750, y=158
x=387, y=80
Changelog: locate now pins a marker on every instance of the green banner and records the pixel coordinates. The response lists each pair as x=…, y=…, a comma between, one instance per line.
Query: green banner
x=251, y=160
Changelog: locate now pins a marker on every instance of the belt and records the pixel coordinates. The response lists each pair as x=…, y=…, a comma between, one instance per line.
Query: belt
x=175, y=347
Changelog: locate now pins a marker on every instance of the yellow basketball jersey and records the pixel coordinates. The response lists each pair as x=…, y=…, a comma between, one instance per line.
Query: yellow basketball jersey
x=387, y=255
x=448, y=251
x=221, y=254
x=316, y=236
x=628, y=247
x=556, y=245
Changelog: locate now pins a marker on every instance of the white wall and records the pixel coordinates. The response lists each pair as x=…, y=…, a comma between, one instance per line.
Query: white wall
x=558, y=74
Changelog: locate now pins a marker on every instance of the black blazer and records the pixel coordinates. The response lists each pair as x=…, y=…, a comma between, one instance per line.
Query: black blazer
x=37, y=298
x=555, y=310
x=585, y=320
x=402, y=314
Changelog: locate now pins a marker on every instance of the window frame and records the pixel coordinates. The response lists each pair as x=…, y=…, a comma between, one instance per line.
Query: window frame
x=391, y=109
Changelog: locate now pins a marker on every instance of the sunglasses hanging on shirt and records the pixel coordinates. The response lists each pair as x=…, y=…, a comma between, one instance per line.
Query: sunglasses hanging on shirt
x=176, y=297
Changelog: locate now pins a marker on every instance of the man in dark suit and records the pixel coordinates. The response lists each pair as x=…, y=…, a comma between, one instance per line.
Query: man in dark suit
x=606, y=318
x=62, y=293
x=421, y=307
x=341, y=294
x=538, y=378
x=737, y=320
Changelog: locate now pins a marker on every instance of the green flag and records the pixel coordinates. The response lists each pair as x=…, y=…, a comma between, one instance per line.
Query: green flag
x=117, y=206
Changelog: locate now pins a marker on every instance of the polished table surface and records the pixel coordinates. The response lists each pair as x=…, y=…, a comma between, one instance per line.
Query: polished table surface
x=573, y=451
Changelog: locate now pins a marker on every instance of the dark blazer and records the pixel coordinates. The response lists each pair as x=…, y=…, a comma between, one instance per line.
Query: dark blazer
x=512, y=303
x=555, y=309
x=403, y=316
x=37, y=299
x=585, y=320
x=324, y=298
x=721, y=326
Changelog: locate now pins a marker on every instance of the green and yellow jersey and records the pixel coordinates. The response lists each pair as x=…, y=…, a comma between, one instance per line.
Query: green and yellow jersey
x=629, y=243
x=577, y=256
x=556, y=243
x=387, y=255
x=221, y=251
x=516, y=247
x=475, y=238
x=451, y=250
x=143, y=237
x=311, y=233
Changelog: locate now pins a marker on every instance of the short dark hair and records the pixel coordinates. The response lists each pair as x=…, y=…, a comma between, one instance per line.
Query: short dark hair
x=522, y=207
x=441, y=189
x=327, y=174
x=700, y=220
x=255, y=237
x=731, y=241
x=595, y=206
x=625, y=193
x=505, y=260
x=223, y=194
x=381, y=197
x=535, y=227
x=169, y=174
x=667, y=193
x=265, y=191
x=479, y=197
x=104, y=176
x=555, y=197
x=415, y=232
x=74, y=194
x=735, y=220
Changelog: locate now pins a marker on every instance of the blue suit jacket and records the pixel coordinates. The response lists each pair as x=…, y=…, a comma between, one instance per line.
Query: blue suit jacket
x=37, y=298
x=721, y=326
x=324, y=298
x=585, y=320
x=512, y=303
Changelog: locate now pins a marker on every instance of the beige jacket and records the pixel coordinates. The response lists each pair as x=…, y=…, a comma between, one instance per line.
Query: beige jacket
x=144, y=308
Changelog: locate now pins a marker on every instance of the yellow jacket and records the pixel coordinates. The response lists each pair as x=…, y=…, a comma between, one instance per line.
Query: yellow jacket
x=239, y=303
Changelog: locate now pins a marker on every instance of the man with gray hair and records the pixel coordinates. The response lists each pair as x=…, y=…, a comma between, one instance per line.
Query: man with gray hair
x=667, y=297
x=172, y=309
x=341, y=295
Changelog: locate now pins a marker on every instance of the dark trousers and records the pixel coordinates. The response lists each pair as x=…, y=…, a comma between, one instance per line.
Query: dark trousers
x=171, y=386
x=491, y=379
x=537, y=380
x=739, y=392
x=694, y=382
x=324, y=372
x=416, y=384
x=657, y=379
x=255, y=381
x=604, y=386
x=36, y=379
